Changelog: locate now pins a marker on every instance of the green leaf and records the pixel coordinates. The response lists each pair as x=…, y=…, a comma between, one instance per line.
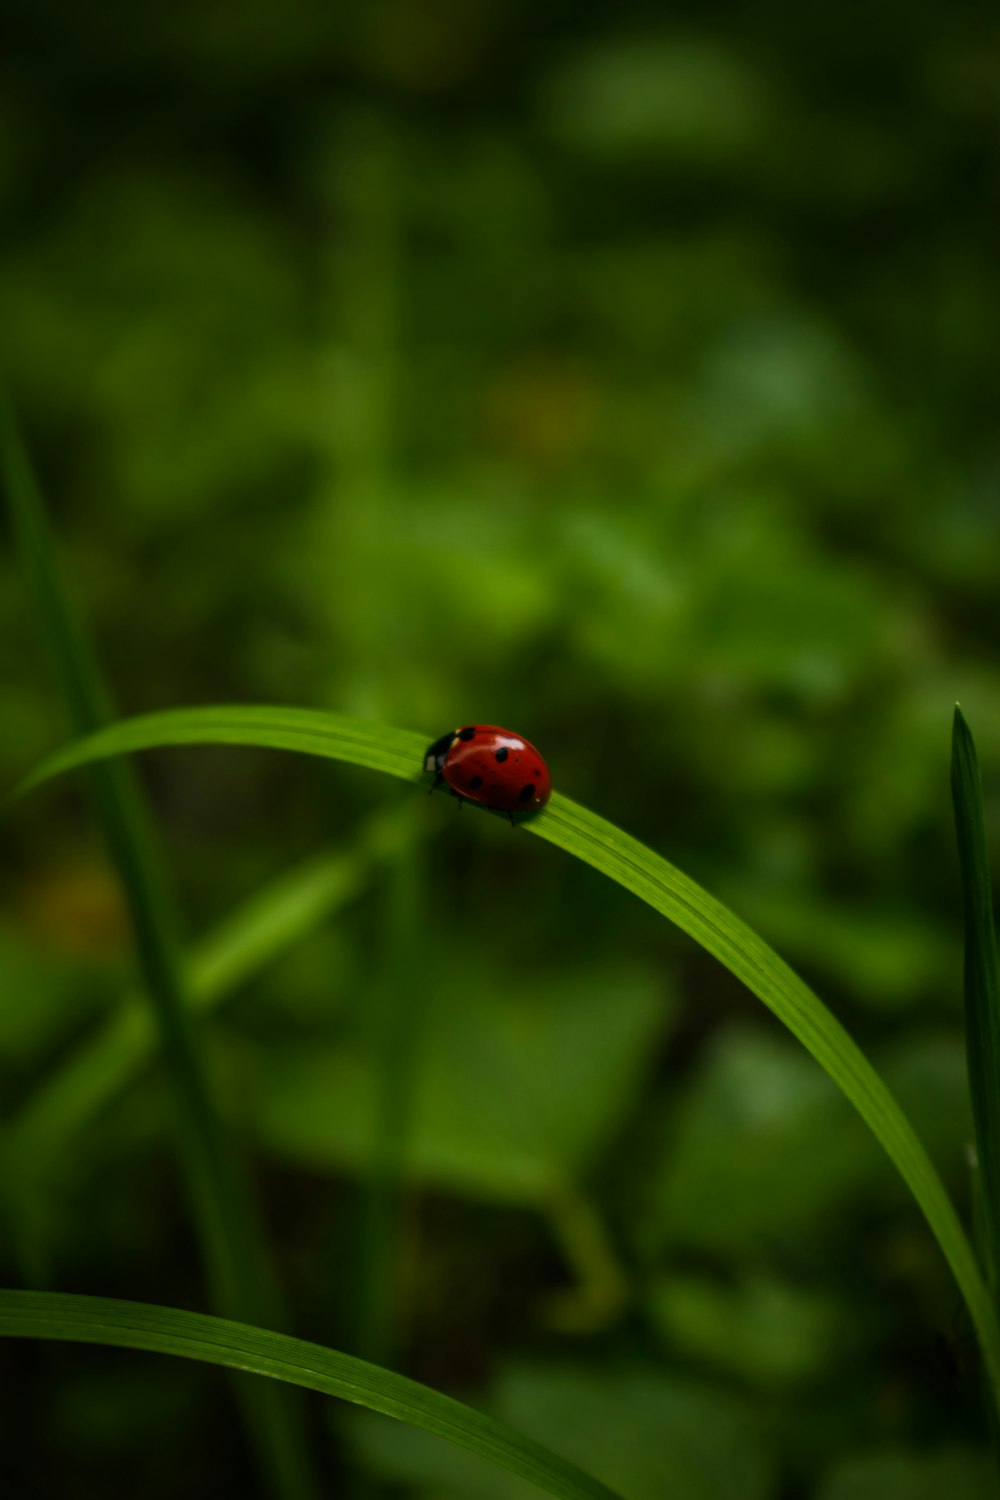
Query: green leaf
x=763, y=1147
x=636, y=868
x=982, y=982
x=217, y=1341
x=539, y=1047
x=758, y=1328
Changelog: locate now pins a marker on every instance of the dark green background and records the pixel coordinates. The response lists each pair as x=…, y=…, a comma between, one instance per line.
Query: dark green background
x=626, y=375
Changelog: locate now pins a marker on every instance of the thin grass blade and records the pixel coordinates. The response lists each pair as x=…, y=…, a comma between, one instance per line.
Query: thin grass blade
x=982, y=984
x=217, y=1341
x=638, y=869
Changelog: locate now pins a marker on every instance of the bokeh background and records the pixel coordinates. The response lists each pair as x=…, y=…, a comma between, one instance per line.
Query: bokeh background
x=627, y=375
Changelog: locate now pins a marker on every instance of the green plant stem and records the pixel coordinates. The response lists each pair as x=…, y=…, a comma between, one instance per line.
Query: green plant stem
x=601, y=1290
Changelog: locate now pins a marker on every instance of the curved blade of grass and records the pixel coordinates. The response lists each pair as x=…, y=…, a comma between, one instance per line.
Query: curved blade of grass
x=224, y=1212
x=650, y=877
x=982, y=983
x=168, y=1330
x=310, y=731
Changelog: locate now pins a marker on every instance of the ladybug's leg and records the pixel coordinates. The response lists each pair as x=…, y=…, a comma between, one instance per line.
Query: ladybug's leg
x=511, y=817
x=435, y=784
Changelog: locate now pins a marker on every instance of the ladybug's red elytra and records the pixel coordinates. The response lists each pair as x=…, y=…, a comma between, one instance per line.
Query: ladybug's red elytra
x=483, y=763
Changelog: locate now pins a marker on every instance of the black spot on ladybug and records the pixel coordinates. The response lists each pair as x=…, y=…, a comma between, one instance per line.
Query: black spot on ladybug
x=527, y=792
x=468, y=733
x=476, y=783
x=501, y=754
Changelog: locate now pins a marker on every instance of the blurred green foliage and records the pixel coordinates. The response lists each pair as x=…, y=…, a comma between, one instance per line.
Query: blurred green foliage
x=627, y=376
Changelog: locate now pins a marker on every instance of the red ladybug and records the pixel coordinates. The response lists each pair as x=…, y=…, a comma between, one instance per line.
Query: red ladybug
x=483, y=763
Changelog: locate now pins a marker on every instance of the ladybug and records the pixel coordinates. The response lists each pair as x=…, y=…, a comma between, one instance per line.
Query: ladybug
x=483, y=763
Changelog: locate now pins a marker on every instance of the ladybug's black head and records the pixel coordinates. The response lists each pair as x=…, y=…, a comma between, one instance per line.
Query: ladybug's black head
x=435, y=754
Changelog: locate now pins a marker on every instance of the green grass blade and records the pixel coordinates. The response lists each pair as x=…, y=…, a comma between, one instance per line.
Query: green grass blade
x=982, y=983
x=167, y=1330
x=750, y=959
x=398, y=752
x=79, y=678
x=637, y=868
x=224, y=1212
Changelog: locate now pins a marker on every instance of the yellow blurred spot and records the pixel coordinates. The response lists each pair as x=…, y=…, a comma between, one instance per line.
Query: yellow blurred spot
x=78, y=910
x=543, y=409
